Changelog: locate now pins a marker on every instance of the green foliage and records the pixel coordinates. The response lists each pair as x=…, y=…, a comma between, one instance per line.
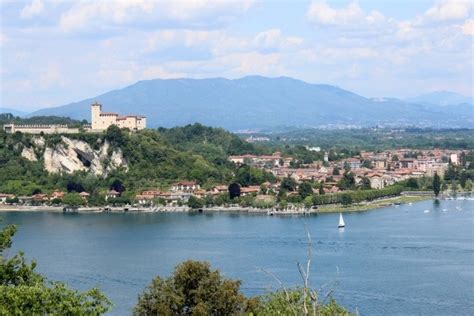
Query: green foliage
x=305, y=189
x=195, y=202
x=73, y=199
x=347, y=182
x=247, y=175
x=291, y=302
x=365, y=183
x=23, y=291
x=436, y=184
x=193, y=289
x=357, y=196
x=288, y=184
x=115, y=136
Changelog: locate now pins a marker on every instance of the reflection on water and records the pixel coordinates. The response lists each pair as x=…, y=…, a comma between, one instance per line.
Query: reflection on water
x=397, y=260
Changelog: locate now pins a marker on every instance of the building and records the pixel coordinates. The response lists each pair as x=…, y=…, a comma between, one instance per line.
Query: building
x=112, y=194
x=41, y=129
x=354, y=163
x=185, y=186
x=4, y=197
x=102, y=120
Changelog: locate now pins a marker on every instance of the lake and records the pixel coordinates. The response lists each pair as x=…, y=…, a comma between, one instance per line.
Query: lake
x=409, y=259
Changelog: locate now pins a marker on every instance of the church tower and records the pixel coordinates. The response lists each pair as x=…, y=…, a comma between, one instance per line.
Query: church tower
x=96, y=109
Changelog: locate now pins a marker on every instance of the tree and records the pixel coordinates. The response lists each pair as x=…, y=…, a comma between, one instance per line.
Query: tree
x=114, y=135
x=335, y=171
x=367, y=164
x=347, y=167
x=321, y=190
x=193, y=289
x=463, y=179
x=23, y=291
x=74, y=187
x=288, y=184
x=195, y=203
x=234, y=190
x=117, y=185
x=346, y=199
x=365, y=183
x=305, y=189
x=291, y=302
x=436, y=184
x=73, y=199
x=347, y=182
x=412, y=183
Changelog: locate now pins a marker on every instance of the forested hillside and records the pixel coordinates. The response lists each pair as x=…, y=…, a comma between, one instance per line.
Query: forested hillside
x=153, y=158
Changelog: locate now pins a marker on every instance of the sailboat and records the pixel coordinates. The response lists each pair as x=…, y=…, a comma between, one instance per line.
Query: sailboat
x=341, y=221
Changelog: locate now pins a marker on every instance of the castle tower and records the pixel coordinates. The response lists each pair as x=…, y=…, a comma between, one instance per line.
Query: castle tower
x=96, y=109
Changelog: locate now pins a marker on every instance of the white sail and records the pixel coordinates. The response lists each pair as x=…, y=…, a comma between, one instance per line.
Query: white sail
x=341, y=221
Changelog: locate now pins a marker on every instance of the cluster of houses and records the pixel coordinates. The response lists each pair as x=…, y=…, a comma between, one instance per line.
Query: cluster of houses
x=381, y=168
x=263, y=161
x=39, y=198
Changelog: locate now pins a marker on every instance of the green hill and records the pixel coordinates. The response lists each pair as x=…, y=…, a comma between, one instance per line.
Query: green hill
x=154, y=158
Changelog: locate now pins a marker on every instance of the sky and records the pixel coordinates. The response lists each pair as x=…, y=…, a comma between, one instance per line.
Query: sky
x=56, y=52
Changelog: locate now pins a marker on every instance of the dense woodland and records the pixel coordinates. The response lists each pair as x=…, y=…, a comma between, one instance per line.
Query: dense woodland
x=156, y=158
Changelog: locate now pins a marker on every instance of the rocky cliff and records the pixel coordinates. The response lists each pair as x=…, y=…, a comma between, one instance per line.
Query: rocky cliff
x=70, y=155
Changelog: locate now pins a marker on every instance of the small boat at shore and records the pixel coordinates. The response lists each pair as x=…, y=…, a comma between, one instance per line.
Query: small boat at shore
x=341, y=221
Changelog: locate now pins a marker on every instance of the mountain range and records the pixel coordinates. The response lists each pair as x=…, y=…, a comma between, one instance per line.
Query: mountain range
x=12, y=111
x=255, y=102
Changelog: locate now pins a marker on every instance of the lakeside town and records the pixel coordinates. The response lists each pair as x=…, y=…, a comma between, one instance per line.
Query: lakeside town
x=367, y=171
x=271, y=182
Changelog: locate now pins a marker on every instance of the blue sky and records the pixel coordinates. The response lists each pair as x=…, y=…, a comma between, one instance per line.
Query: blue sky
x=57, y=52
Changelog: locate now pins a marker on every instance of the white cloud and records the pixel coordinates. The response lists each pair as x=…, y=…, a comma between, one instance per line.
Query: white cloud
x=321, y=13
x=104, y=14
x=449, y=10
x=36, y=7
x=468, y=27
x=274, y=40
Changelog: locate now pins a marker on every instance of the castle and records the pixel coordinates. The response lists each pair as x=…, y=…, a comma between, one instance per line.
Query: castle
x=102, y=120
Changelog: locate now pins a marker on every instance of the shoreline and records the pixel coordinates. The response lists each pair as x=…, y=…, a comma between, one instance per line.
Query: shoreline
x=330, y=208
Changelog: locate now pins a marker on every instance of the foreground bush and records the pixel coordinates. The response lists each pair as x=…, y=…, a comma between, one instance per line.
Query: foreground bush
x=195, y=289
x=291, y=303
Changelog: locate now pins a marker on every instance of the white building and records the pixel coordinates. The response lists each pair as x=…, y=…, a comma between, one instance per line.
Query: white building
x=102, y=120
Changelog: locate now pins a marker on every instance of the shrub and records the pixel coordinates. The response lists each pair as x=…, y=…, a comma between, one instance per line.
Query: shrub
x=193, y=289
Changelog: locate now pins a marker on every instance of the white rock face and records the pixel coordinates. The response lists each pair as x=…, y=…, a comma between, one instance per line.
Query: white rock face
x=75, y=155
x=29, y=154
x=39, y=141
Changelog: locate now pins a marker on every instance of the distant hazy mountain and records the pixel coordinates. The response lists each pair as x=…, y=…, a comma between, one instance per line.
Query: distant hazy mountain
x=12, y=111
x=441, y=98
x=254, y=102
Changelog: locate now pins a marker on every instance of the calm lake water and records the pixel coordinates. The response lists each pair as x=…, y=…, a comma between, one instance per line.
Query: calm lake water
x=416, y=259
